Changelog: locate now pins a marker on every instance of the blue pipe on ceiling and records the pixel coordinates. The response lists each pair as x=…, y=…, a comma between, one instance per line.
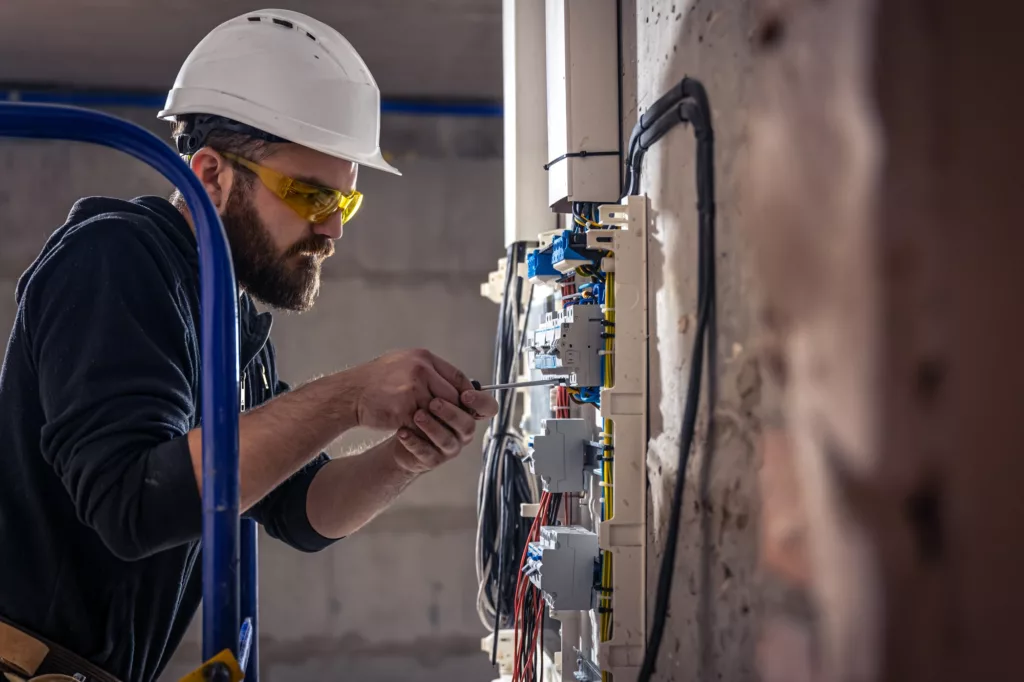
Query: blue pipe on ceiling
x=148, y=100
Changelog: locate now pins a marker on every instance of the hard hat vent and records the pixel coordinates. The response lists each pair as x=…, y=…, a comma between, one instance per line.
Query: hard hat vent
x=320, y=96
x=285, y=23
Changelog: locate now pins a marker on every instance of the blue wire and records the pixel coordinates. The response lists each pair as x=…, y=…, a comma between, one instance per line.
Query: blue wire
x=156, y=100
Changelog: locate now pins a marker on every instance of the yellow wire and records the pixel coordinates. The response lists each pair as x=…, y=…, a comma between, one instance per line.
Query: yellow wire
x=607, y=472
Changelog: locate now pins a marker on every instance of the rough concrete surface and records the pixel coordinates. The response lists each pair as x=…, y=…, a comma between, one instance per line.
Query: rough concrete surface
x=395, y=601
x=440, y=48
x=714, y=608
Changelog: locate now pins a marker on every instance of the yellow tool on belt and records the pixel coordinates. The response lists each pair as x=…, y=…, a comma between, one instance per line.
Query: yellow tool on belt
x=221, y=668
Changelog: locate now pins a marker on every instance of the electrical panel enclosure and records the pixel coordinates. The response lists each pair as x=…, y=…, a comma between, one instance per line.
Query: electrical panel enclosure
x=583, y=102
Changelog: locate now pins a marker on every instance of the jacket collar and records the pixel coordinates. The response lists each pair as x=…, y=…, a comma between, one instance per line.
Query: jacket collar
x=253, y=330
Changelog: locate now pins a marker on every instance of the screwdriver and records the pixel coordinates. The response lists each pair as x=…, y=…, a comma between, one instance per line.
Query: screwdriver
x=522, y=384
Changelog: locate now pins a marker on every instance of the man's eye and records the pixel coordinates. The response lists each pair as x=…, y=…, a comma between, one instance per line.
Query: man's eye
x=324, y=199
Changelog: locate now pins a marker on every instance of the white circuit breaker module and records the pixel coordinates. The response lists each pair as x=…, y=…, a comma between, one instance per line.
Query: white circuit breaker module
x=558, y=455
x=568, y=343
x=563, y=564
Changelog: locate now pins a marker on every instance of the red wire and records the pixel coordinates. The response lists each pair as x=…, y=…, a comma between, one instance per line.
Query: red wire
x=523, y=586
x=562, y=402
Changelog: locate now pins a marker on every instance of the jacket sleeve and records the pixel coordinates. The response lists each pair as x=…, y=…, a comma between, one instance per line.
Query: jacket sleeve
x=113, y=344
x=283, y=511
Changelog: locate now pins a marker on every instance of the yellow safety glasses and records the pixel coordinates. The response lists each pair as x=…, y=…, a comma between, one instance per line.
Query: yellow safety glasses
x=314, y=203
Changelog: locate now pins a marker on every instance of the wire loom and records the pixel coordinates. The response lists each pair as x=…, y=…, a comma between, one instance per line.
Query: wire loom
x=687, y=102
x=504, y=483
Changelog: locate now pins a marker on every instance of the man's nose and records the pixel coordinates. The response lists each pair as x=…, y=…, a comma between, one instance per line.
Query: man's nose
x=331, y=227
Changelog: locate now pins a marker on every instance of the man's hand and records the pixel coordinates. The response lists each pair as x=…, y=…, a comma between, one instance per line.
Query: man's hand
x=349, y=491
x=446, y=429
x=391, y=388
x=397, y=385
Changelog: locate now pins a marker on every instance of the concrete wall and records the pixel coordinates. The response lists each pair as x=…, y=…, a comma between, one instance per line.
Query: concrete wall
x=397, y=600
x=715, y=604
x=441, y=48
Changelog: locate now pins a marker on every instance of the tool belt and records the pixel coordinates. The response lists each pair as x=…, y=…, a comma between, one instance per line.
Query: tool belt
x=24, y=655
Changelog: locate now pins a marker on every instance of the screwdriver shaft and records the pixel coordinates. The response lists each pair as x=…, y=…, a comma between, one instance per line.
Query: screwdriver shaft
x=521, y=384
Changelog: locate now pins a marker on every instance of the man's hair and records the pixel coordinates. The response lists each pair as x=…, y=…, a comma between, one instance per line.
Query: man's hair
x=222, y=140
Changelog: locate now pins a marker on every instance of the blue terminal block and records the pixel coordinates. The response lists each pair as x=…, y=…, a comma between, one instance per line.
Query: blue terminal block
x=539, y=267
x=590, y=394
x=564, y=257
x=593, y=293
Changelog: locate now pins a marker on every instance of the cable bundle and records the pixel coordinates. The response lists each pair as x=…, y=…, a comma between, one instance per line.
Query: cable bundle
x=607, y=471
x=504, y=482
x=529, y=603
x=687, y=102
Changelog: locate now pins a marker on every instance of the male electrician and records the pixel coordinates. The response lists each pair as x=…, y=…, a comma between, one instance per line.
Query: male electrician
x=100, y=392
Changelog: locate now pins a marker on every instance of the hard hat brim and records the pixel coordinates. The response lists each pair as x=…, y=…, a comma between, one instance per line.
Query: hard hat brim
x=190, y=100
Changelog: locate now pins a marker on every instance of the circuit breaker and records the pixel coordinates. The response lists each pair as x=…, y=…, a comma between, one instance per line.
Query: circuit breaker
x=563, y=564
x=569, y=344
x=558, y=455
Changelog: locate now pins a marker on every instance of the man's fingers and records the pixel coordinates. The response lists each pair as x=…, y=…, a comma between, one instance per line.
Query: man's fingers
x=455, y=418
x=455, y=376
x=440, y=386
x=481, y=402
x=437, y=433
x=425, y=453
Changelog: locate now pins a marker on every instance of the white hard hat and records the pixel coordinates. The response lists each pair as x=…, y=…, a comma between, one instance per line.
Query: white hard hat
x=288, y=75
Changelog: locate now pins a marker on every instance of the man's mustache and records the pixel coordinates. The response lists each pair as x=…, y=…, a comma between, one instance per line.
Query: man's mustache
x=317, y=245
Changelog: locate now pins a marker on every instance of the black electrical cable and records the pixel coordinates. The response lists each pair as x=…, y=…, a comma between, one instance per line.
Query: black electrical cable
x=687, y=102
x=504, y=482
x=507, y=495
x=619, y=76
x=686, y=89
x=577, y=212
x=485, y=506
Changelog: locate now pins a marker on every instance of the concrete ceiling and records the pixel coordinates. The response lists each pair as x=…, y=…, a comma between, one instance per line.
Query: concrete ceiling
x=415, y=48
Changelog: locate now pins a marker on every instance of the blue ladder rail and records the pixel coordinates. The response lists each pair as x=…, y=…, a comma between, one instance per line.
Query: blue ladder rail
x=223, y=582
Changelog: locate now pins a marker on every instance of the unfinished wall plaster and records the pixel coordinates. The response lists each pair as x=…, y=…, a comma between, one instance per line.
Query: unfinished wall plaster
x=712, y=627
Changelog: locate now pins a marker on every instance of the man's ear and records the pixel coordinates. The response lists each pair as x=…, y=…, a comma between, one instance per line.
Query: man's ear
x=216, y=174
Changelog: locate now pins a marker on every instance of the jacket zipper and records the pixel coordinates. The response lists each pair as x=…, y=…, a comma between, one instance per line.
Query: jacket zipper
x=246, y=400
x=243, y=400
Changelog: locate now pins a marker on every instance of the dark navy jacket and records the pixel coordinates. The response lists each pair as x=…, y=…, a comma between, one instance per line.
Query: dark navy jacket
x=100, y=516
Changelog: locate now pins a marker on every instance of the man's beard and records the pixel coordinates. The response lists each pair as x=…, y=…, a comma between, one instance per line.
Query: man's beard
x=290, y=281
